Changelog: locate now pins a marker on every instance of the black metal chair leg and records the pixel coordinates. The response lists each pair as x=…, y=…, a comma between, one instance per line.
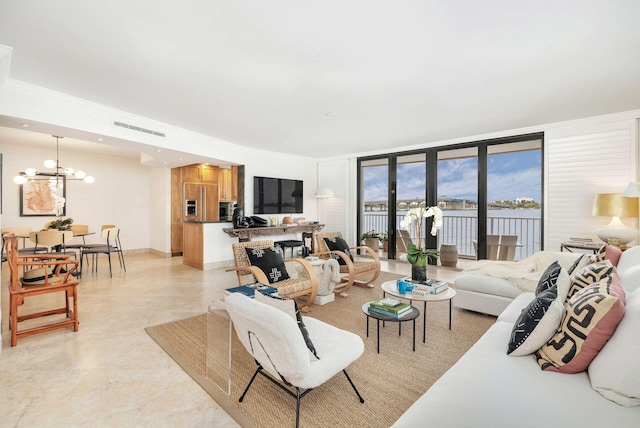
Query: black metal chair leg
x=249, y=385
x=297, y=407
x=353, y=386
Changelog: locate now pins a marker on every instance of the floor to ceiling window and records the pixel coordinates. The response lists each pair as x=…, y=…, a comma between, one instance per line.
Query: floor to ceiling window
x=489, y=188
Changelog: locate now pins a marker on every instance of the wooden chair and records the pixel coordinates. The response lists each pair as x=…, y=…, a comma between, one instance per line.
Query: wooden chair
x=52, y=240
x=113, y=245
x=52, y=275
x=350, y=270
x=305, y=284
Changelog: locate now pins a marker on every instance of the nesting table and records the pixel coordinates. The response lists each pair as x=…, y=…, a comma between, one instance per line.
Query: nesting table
x=410, y=315
x=390, y=287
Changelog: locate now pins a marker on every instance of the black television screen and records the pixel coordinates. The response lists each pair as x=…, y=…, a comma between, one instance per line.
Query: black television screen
x=277, y=196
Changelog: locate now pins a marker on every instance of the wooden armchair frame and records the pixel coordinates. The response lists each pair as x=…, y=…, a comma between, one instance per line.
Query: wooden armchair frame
x=61, y=267
x=306, y=284
x=350, y=271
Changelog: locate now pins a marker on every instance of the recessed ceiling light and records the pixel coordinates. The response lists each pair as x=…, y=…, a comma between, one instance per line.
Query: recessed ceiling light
x=100, y=139
x=158, y=151
x=332, y=114
x=24, y=125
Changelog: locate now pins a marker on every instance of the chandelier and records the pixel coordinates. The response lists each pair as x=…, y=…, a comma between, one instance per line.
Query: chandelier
x=56, y=178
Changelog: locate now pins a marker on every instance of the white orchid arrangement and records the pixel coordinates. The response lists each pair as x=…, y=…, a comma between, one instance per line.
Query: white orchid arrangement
x=418, y=214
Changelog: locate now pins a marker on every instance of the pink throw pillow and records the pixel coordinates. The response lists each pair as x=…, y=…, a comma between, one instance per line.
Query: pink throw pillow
x=612, y=254
x=590, y=319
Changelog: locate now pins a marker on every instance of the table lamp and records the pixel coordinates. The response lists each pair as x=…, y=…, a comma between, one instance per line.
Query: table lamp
x=615, y=205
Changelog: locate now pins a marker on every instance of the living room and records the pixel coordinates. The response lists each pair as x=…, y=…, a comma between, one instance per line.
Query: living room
x=587, y=150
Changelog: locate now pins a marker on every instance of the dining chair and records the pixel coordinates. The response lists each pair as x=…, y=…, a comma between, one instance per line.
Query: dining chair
x=22, y=233
x=52, y=240
x=45, y=274
x=113, y=245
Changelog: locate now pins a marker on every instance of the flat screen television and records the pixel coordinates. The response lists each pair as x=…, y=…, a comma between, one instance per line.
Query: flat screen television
x=277, y=196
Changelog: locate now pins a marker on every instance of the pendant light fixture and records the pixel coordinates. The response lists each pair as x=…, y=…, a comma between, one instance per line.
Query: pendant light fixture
x=68, y=173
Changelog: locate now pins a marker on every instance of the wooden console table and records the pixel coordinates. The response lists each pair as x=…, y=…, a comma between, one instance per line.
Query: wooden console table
x=248, y=233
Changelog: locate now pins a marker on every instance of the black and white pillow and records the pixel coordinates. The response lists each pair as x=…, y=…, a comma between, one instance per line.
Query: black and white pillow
x=537, y=323
x=290, y=307
x=580, y=262
x=338, y=244
x=270, y=261
x=553, y=276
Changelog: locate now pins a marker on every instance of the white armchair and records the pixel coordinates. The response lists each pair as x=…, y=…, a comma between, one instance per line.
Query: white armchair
x=276, y=342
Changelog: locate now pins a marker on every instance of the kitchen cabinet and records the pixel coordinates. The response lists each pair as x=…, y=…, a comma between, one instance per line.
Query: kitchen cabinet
x=200, y=173
x=176, y=211
x=228, y=182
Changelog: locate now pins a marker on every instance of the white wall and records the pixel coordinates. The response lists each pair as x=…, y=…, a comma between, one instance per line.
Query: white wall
x=120, y=194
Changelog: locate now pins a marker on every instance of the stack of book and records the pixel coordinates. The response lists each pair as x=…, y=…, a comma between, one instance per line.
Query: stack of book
x=250, y=289
x=430, y=286
x=390, y=307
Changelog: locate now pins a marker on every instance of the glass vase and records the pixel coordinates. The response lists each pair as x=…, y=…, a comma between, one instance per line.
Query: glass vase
x=419, y=269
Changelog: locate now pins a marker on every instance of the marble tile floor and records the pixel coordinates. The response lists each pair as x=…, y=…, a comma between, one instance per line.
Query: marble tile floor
x=111, y=373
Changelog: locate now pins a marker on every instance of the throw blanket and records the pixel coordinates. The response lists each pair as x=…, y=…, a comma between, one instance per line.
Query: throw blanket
x=525, y=273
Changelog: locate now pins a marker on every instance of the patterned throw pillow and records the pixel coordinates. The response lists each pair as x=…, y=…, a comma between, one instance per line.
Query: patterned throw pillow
x=536, y=324
x=290, y=307
x=590, y=318
x=588, y=275
x=270, y=261
x=338, y=244
x=580, y=262
x=553, y=276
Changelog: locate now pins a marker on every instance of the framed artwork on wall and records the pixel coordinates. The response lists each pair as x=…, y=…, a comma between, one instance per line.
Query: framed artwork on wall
x=43, y=196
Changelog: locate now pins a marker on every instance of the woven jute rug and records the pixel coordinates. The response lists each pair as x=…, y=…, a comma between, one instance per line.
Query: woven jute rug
x=389, y=381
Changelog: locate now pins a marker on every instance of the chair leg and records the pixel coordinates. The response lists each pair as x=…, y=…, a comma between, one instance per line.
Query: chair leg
x=353, y=386
x=249, y=385
x=297, y=407
x=109, y=257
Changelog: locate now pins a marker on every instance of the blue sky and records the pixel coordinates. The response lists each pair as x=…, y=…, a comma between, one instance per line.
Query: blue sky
x=511, y=175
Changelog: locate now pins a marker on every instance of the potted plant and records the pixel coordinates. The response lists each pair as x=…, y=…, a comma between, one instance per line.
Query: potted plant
x=371, y=239
x=384, y=238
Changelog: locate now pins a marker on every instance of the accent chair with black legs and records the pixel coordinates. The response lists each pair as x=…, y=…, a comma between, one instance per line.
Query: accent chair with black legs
x=296, y=353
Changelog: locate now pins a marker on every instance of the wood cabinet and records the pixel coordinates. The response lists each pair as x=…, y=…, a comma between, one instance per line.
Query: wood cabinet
x=228, y=182
x=176, y=211
x=200, y=173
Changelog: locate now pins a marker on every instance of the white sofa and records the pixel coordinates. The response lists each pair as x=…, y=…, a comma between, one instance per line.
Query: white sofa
x=489, y=286
x=488, y=388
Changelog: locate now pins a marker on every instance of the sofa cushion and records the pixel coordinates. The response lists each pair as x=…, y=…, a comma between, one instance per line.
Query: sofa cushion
x=536, y=324
x=511, y=313
x=580, y=262
x=590, y=318
x=338, y=244
x=629, y=269
x=290, y=307
x=615, y=371
x=270, y=261
x=588, y=275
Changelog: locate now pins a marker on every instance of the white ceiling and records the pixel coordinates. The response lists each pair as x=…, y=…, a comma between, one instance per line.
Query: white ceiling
x=333, y=77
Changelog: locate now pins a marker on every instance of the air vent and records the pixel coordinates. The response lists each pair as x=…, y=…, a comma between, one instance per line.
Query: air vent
x=137, y=128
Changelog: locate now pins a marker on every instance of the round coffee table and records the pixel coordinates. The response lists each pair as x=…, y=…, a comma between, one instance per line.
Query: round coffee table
x=410, y=315
x=391, y=288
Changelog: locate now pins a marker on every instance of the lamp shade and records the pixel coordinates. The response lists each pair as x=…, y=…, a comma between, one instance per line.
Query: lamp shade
x=615, y=205
x=324, y=192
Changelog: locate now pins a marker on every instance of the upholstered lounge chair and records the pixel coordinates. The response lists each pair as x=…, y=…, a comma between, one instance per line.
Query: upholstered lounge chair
x=276, y=342
x=351, y=271
x=302, y=282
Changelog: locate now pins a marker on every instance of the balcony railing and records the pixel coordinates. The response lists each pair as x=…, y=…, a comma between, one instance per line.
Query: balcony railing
x=462, y=230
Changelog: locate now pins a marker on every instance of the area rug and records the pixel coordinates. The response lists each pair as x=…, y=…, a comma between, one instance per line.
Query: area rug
x=389, y=381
